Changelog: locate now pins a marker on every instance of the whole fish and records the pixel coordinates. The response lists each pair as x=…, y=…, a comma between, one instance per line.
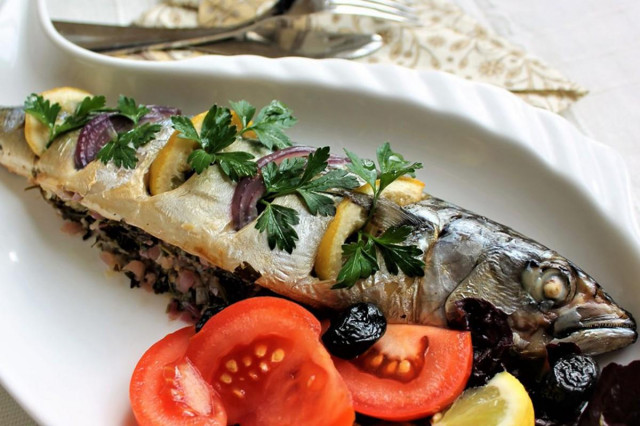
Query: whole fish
x=547, y=298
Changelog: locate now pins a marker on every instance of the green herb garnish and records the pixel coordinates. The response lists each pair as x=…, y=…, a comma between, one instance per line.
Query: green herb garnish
x=122, y=150
x=128, y=108
x=361, y=260
x=47, y=114
x=269, y=125
x=216, y=134
x=304, y=177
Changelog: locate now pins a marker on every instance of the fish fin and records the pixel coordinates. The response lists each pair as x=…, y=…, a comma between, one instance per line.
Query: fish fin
x=387, y=213
x=490, y=280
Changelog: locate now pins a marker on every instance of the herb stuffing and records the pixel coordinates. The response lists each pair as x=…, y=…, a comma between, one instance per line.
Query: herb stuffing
x=361, y=256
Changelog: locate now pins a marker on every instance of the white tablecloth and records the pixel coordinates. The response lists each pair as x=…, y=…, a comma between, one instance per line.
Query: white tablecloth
x=593, y=42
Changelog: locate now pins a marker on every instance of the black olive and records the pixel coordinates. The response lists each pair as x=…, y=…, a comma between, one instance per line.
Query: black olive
x=207, y=314
x=567, y=386
x=354, y=330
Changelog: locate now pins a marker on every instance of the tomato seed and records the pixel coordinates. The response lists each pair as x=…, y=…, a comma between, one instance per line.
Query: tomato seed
x=232, y=366
x=261, y=351
x=404, y=367
x=376, y=361
x=277, y=355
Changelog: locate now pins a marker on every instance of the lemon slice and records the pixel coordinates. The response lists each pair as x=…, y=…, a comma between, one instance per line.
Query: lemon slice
x=402, y=191
x=170, y=167
x=503, y=401
x=36, y=133
x=350, y=217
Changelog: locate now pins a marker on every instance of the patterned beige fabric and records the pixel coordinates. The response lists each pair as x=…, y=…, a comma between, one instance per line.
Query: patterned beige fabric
x=447, y=40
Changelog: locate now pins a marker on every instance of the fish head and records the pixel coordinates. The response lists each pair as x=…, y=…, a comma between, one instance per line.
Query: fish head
x=575, y=306
x=547, y=300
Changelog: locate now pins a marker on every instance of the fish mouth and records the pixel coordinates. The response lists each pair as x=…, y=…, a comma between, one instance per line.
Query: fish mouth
x=597, y=333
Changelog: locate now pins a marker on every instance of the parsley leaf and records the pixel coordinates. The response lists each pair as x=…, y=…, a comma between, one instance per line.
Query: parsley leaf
x=80, y=117
x=122, y=150
x=361, y=263
x=397, y=256
x=304, y=177
x=128, y=108
x=236, y=165
x=199, y=160
x=216, y=134
x=245, y=111
x=42, y=110
x=393, y=165
x=278, y=222
x=47, y=113
x=364, y=168
x=184, y=125
x=269, y=124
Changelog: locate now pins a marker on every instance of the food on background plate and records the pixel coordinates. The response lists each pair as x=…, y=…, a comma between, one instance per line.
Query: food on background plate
x=223, y=207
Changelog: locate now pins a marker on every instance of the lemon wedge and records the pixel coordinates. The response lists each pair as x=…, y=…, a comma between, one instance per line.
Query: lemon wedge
x=350, y=217
x=36, y=133
x=503, y=401
x=170, y=167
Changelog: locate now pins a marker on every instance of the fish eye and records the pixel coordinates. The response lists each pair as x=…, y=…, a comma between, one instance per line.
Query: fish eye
x=547, y=283
x=554, y=285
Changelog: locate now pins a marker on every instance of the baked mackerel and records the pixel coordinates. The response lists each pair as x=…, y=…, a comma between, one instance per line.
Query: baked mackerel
x=183, y=241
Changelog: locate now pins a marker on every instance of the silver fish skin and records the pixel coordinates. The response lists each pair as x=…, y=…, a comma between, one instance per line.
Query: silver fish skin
x=547, y=298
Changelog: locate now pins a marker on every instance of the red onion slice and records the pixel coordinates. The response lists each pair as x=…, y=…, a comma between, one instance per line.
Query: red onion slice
x=104, y=127
x=95, y=134
x=244, y=204
x=298, y=151
x=159, y=113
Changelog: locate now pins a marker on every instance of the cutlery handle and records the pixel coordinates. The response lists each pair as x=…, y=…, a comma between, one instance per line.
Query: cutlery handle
x=121, y=39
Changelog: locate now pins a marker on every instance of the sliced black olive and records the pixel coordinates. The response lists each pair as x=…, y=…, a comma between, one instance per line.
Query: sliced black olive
x=567, y=387
x=354, y=330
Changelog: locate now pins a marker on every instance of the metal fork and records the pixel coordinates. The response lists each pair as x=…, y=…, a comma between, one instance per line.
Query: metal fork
x=122, y=40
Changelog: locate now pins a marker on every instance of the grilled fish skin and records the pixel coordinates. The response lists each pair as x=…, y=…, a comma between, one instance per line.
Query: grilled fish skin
x=547, y=298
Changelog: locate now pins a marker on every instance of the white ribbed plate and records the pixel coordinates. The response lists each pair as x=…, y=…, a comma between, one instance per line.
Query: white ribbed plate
x=71, y=335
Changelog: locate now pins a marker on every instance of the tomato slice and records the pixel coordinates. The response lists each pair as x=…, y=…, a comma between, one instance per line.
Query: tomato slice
x=166, y=389
x=265, y=359
x=413, y=371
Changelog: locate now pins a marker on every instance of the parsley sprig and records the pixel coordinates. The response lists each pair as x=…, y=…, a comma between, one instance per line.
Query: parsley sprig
x=47, y=113
x=361, y=255
x=122, y=149
x=306, y=178
x=216, y=134
x=268, y=125
x=129, y=108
